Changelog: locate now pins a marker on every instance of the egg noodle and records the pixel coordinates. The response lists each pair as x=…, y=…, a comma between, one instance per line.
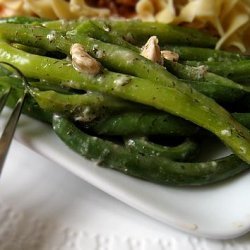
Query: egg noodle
x=230, y=19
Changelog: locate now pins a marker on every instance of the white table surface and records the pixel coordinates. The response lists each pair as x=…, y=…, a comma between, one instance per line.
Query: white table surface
x=45, y=207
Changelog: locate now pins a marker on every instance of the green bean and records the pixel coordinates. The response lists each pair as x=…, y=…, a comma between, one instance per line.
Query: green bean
x=155, y=169
x=83, y=107
x=191, y=105
x=142, y=123
x=30, y=107
x=4, y=71
x=237, y=71
x=150, y=122
x=112, y=56
x=4, y=88
x=217, y=87
x=72, y=104
x=221, y=94
x=23, y=20
x=139, y=123
x=41, y=85
x=185, y=151
x=62, y=25
x=115, y=58
x=204, y=54
x=92, y=30
x=138, y=32
x=29, y=49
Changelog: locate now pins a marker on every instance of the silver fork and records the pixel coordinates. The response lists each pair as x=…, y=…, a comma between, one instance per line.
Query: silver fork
x=11, y=124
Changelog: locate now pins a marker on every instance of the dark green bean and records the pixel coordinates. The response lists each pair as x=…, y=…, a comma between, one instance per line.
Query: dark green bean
x=204, y=54
x=235, y=70
x=217, y=87
x=143, y=123
x=154, y=169
x=185, y=151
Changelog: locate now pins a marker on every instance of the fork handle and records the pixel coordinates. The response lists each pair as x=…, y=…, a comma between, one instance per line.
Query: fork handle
x=9, y=130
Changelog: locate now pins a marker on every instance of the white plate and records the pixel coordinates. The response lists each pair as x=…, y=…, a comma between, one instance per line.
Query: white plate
x=220, y=211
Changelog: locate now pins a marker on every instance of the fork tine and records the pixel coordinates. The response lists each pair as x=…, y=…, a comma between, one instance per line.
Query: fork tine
x=9, y=129
x=3, y=98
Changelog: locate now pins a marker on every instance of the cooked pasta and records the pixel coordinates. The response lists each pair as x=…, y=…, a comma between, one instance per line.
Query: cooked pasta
x=51, y=8
x=229, y=19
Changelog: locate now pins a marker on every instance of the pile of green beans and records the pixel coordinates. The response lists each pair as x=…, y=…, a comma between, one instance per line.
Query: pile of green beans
x=135, y=116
